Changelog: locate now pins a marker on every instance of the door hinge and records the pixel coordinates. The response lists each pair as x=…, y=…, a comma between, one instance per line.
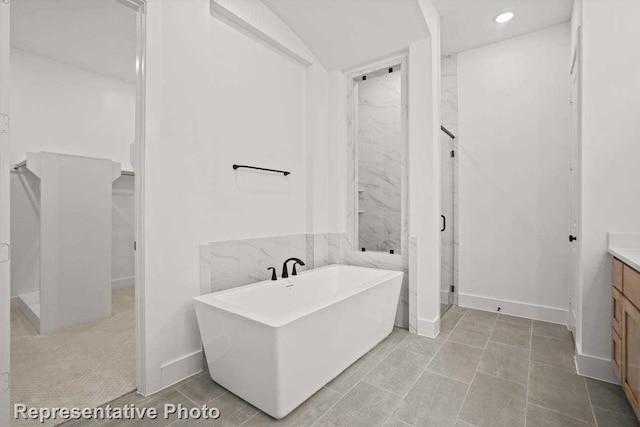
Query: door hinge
x=134, y=245
x=453, y=288
x=5, y=253
x=4, y=123
x=453, y=153
x=4, y=381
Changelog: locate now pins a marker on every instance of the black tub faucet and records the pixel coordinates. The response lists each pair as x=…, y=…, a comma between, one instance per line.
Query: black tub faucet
x=285, y=272
x=273, y=273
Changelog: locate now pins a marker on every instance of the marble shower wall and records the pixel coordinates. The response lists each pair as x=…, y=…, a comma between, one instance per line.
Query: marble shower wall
x=379, y=155
x=449, y=186
x=349, y=252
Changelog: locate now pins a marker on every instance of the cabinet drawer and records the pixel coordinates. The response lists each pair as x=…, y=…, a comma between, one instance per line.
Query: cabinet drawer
x=616, y=274
x=616, y=353
x=616, y=321
x=631, y=285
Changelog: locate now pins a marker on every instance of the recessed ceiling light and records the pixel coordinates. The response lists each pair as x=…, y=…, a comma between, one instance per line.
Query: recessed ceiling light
x=504, y=17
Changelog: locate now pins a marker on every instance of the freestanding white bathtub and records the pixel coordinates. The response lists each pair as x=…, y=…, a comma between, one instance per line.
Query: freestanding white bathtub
x=275, y=343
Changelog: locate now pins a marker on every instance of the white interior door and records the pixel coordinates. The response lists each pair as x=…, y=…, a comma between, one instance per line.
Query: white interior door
x=574, y=174
x=5, y=308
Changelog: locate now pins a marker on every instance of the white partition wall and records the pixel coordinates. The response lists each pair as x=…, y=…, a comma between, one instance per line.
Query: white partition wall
x=75, y=240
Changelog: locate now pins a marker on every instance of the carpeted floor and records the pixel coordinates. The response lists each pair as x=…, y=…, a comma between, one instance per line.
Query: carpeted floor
x=79, y=366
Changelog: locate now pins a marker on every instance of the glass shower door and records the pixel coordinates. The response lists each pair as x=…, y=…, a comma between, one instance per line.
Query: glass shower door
x=447, y=223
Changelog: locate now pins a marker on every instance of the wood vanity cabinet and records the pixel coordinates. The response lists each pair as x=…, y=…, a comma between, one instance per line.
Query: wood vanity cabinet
x=625, y=330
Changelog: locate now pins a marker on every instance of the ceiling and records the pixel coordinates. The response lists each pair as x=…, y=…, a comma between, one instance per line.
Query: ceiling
x=467, y=24
x=345, y=33
x=96, y=35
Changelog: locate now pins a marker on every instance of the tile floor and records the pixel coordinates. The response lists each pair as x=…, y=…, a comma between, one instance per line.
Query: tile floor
x=484, y=369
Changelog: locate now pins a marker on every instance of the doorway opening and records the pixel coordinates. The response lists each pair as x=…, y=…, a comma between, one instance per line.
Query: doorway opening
x=77, y=114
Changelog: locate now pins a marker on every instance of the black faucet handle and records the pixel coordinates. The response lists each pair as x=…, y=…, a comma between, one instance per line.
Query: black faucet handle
x=294, y=272
x=273, y=273
x=285, y=273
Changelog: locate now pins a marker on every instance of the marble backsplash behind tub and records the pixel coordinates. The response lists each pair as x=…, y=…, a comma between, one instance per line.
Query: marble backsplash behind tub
x=229, y=264
x=233, y=263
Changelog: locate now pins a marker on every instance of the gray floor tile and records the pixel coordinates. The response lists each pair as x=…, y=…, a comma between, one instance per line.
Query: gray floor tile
x=303, y=416
x=552, y=330
x=450, y=320
x=506, y=362
x=398, y=371
x=433, y=401
x=457, y=361
x=609, y=396
x=494, y=402
x=480, y=316
x=233, y=410
x=365, y=405
x=555, y=352
x=80, y=423
x=354, y=373
x=537, y=416
x=613, y=419
x=559, y=390
x=392, y=422
x=471, y=333
x=423, y=345
x=511, y=334
x=515, y=320
x=390, y=342
x=201, y=389
x=158, y=402
x=458, y=309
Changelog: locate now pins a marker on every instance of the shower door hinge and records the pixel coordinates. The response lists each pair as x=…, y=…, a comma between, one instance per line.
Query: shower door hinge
x=4, y=123
x=5, y=252
x=134, y=245
x=4, y=382
x=453, y=288
x=453, y=153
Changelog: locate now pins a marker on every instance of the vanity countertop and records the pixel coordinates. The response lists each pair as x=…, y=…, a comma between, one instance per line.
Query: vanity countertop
x=626, y=247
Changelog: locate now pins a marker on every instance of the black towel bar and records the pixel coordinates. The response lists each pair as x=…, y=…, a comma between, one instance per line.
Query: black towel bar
x=285, y=173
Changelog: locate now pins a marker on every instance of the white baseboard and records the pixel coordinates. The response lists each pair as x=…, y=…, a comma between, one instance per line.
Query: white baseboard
x=182, y=368
x=124, y=282
x=429, y=328
x=595, y=367
x=514, y=308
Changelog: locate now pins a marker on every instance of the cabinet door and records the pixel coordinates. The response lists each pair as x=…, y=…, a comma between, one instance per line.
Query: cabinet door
x=616, y=353
x=616, y=321
x=631, y=353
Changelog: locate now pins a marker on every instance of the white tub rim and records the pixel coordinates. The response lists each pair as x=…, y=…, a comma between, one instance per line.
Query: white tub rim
x=276, y=321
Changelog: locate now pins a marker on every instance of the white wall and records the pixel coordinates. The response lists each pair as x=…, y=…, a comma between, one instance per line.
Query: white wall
x=514, y=193
x=191, y=193
x=25, y=232
x=258, y=107
x=424, y=177
x=610, y=153
x=122, y=232
x=60, y=108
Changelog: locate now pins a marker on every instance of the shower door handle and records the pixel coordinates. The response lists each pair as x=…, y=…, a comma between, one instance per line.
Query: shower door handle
x=444, y=223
